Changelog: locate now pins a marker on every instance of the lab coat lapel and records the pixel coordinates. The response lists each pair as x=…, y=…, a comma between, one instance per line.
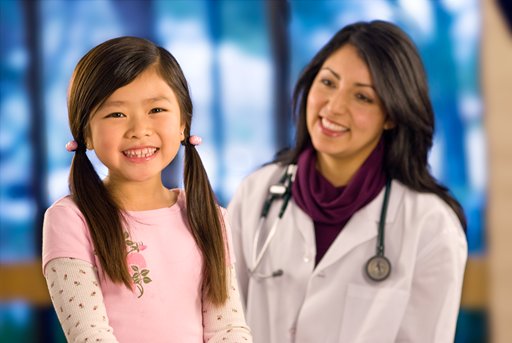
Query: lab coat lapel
x=362, y=226
x=305, y=225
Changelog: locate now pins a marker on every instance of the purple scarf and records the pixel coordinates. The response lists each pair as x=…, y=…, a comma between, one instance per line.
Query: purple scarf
x=331, y=207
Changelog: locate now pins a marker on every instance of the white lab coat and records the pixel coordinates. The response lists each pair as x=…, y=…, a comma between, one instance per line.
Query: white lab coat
x=336, y=302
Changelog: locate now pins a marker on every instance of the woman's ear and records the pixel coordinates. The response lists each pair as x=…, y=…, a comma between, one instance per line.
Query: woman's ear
x=389, y=124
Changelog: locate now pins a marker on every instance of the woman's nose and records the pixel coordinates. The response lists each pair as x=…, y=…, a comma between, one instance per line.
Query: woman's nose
x=337, y=103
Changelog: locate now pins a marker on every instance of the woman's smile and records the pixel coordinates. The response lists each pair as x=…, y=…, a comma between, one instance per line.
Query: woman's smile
x=330, y=128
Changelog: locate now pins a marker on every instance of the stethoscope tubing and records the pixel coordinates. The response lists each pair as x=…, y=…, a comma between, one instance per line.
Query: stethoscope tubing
x=257, y=258
x=382, y=220
x=284, y=185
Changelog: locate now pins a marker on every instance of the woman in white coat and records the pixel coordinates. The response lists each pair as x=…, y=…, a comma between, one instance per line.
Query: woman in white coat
x=357, y=188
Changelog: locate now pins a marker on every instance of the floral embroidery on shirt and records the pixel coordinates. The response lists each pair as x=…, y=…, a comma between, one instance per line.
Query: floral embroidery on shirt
x=137, y=264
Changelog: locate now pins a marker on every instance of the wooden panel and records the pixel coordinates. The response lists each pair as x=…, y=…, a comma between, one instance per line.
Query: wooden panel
x=497, y=91
x=475, y=290
x=24, y=282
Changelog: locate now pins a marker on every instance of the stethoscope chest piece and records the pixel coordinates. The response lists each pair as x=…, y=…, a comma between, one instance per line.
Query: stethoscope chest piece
x=378, y=268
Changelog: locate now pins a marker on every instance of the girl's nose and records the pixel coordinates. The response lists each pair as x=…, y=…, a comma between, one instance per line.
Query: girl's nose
x=140, y=126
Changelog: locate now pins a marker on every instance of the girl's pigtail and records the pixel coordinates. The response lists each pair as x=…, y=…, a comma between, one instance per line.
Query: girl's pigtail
x=102, y=216
x=207, y=225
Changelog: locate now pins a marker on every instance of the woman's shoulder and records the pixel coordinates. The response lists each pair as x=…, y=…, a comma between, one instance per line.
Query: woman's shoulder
x=254, y=187
x=427, y=200
x=428, y=207
x=264, y=175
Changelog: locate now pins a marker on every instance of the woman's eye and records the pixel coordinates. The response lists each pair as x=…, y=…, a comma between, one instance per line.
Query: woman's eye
x=363, y=98
x=327, y=82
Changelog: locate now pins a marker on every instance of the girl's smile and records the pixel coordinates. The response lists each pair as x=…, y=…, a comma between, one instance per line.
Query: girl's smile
x=142, y=154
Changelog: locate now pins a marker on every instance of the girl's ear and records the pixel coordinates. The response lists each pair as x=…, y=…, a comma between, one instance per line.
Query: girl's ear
x=88, y=142
x=87, y=137
x=182, y=132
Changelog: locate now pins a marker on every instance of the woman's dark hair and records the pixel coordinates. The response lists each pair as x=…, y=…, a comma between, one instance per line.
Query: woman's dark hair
x=107, y=67
x=400, y=81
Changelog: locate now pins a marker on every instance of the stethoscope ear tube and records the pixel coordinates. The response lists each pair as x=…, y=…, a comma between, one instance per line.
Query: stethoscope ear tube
x=279, y=190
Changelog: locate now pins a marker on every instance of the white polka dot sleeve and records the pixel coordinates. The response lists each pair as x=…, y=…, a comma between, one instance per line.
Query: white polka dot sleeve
x=226, y=323
x=78, y=300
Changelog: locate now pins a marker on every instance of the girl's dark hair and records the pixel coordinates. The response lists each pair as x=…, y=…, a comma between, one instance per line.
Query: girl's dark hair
x=107, y=67
x=400, y=81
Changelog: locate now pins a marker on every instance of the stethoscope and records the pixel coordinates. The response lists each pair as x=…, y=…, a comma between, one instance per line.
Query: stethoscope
x=377, y=267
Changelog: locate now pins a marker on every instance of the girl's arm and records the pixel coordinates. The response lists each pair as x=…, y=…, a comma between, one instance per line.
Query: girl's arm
x=78, y=300
x=226, y=323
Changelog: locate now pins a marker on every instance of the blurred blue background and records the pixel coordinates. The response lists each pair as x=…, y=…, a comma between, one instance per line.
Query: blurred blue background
x=241, y=59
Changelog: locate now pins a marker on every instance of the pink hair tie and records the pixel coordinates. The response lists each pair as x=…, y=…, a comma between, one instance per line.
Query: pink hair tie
x=71, y=146
x=195, y=140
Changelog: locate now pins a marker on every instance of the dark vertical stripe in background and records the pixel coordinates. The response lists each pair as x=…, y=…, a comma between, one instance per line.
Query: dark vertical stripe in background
x=278, y=20
x=44, y=315
x=37, y=115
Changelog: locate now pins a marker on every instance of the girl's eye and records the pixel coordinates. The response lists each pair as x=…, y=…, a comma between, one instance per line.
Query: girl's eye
x=363, y=98
x=116, y=115
x=157, y=110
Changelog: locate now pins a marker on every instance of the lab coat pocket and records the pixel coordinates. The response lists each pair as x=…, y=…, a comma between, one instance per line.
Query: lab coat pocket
x=372, y=314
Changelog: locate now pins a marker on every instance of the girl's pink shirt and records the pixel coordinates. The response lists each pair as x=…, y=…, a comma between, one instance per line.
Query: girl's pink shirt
x=164, y=262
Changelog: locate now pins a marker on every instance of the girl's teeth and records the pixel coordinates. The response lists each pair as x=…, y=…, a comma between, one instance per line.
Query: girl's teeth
x=332, y=126
x=139, y=153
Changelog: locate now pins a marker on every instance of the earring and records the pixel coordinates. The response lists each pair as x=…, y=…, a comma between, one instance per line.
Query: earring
x=389, y=126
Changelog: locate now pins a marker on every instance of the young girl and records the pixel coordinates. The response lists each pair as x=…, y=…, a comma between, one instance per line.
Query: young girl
x=125, y=259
